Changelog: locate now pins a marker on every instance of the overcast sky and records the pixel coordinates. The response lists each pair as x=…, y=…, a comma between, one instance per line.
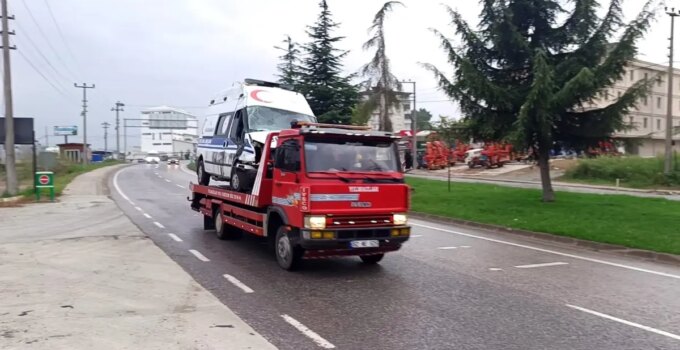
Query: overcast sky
x=181, y=52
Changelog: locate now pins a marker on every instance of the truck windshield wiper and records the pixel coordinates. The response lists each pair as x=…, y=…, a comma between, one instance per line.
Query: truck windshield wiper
x=344, y=179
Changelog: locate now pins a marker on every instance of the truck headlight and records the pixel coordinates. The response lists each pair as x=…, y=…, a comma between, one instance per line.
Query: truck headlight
x=399, y=219
x=315, y=222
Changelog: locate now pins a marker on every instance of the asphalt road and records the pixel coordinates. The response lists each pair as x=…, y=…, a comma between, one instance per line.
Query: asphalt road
x=448, y=288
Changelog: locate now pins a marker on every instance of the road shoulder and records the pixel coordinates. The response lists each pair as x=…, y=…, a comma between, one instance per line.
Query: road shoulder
x=79, y=274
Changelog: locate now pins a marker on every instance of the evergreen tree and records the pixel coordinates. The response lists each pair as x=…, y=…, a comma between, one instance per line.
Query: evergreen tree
x=289, y=68
x=381, y=85
x=423, y=119
x=527, y=77
x=330, y=94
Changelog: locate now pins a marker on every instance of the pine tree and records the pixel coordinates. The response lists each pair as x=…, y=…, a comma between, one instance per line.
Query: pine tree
x=330, y=95
x=381, y=85
x=289, y=68
x=525, y=76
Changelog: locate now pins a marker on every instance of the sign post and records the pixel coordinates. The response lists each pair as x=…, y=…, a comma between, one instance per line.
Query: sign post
x=44, y=179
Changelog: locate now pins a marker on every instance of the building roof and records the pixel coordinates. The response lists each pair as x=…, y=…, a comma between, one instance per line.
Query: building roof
x=165, y=108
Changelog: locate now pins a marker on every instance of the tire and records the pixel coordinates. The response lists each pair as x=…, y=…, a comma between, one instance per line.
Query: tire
x=371, y=259
x=222, y=231
x=471, y=165
x=287, y=256
x=240, y=181
x=203, y=177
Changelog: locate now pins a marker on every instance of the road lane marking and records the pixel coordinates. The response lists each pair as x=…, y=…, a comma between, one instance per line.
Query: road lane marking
x=604, y=262
x=166, y=180
x=308, y=332
x=416, y=236
x=238, y=283
x=115, y=184
x=138, y=208
x=632, y=324
x=158, y=224
x=447, y=248
x=198, y=255
x=495, y=269
x=530, y=266
x=147, y=216
x=131, y=202
x=180, y=186
x=175, y=237
x=465, y=246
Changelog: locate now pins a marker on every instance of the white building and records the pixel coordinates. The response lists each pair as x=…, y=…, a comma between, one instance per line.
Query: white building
x=648, y=117
x=400, y=117
x=166, y=129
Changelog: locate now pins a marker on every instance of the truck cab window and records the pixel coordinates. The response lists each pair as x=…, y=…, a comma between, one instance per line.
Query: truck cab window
x=288, y=156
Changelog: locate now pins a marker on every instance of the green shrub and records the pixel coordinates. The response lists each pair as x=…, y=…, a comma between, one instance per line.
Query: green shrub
x=631, y=171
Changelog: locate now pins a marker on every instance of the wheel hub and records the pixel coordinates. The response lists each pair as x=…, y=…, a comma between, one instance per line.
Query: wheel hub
x=283, y=248
x=235, y=181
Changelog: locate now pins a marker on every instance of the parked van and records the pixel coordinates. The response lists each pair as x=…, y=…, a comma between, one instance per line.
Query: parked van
x=236, y=126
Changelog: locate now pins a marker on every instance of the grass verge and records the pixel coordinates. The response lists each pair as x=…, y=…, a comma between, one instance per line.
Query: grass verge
x=634, y=172
x=643, y=223
x=64, y=173
x=191, y=165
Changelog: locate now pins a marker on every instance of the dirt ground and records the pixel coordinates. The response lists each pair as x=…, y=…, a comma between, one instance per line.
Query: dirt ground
x=511, y=171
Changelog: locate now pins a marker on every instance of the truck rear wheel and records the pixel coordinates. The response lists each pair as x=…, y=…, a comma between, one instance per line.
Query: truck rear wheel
x=287, y=255
x=371, y=259
x=203, y=177
x=224, y=232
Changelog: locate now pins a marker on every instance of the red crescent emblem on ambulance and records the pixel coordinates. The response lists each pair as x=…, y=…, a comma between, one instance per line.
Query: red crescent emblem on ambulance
x=254, y=95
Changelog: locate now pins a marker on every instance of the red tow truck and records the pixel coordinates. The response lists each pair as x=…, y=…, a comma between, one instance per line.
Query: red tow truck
x=321, y=191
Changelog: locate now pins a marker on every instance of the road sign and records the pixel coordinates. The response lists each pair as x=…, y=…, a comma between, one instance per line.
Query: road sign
x=23, y=131
x=65, y=130
x=44, y=179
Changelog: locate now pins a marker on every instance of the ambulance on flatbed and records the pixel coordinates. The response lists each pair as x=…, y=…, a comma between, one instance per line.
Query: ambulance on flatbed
x=320, y=191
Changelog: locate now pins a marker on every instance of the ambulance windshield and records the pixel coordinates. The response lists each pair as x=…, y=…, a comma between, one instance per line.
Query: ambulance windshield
x=262, y=118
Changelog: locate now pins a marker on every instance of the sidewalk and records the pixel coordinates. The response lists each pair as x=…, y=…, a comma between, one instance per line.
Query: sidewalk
x=78, y=274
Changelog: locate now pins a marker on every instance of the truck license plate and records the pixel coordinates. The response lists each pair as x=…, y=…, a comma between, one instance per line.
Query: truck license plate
x=365, y=244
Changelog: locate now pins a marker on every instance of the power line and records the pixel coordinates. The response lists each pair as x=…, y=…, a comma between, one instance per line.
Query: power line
x=61, y=34
x=32, y=43
x=30, y=14
x=43, y=75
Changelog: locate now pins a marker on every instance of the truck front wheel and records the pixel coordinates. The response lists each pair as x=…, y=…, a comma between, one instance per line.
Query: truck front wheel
x=203, y=177
x=287, y=255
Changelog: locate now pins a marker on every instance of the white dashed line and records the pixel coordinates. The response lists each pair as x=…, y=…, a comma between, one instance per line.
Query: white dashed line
x=180, y=186
x=465, y=246
x=447, y=248
x=541, y=265
x=198, y=255
x=158, y=224
x=131, y=202
x=147, y=216
x=238, y=283
x=632, y=324
x=416, y=236
x=174, y=236
x=573, y=256
x=166, y=180
x=138, y=208
x=309, y=333
x=495, y=269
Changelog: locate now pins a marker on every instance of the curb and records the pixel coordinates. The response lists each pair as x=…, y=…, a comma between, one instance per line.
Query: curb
x=595, y=246
x=183, y=167
x=11, y=199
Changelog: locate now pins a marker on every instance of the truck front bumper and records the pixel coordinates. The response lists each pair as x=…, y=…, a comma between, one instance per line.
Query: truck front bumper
x=341, y=244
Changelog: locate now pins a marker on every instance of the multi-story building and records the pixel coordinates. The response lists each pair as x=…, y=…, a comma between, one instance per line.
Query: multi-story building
x=399, y=116
x=648, y=119
x=167, y=130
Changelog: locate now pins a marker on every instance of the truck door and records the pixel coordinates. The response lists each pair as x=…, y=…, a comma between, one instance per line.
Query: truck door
x=287, y=165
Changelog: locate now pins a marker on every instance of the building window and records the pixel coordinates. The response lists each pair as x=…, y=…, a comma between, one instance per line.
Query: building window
x=632, y=75
x=644, y=123
x=630, y=120
x=167, y=144
x=156, y=143
x=146, y=134
x=606, y=95
x=646, y=76
x=160, y=135
x=644, y=101
x=658, y=124
x=658, y=82
x=658, y=102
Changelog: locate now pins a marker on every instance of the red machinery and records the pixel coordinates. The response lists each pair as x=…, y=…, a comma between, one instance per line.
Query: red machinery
x=493, y=155
x=459, y=152
x=604, y=148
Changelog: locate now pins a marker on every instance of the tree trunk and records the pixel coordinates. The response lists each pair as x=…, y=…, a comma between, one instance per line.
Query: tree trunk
x=544, y=166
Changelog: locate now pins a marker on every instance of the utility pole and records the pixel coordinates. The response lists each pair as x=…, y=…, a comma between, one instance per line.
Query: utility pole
x=414, y=129
x=118, y=108
x=106, y=137
x=10, y=158
x=84, y=86
x=668, y=159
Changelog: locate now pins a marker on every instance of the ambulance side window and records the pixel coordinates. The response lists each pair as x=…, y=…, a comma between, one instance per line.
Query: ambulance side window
x=288, y=156
x=223, y=124
x=237, y=128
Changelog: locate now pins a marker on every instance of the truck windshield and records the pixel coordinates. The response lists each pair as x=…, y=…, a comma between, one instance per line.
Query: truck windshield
x=262, y=118
x=337, y=155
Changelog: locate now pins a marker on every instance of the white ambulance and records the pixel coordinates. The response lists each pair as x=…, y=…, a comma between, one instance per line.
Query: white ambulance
x=236, y=126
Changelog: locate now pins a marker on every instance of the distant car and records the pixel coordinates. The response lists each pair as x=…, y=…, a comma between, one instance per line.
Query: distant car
x=141, y=160
x=173, y=161
x=152, y=160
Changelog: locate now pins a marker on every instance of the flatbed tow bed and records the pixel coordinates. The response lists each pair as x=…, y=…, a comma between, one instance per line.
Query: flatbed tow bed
x=308, y=213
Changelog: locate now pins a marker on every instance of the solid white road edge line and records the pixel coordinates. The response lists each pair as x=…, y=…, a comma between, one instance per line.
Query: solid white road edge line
x=115, y=184
x=309, y=333
x=147, y=215
x=416, y=236
x=238, y=283
x=175, y=237
x=198, y=255
x=541, y=265
x=158, y=224
x=180, y=186
x=632, y=324
x=658, y=273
